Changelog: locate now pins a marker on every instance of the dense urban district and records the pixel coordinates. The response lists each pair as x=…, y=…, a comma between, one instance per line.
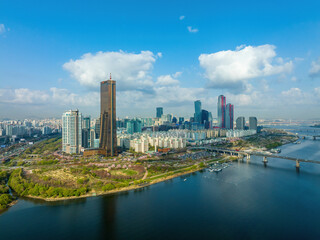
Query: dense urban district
x=42, y=170
x=80, y=157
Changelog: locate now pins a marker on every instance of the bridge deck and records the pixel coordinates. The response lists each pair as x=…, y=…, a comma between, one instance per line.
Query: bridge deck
x=262, y=155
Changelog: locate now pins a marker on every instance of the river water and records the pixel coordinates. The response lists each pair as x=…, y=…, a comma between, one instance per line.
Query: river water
x=244, y=201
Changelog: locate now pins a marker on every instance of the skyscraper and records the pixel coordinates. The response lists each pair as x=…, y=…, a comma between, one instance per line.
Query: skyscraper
x=197, y=111
x=71, y=131
x=253, y=122
x=240, y=123
x=86, y=122
x=222, y=111
x=229, y=116
x=159, y=112
x=108, y=125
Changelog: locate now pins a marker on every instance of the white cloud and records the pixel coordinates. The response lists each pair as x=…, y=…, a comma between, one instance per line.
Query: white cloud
x=55, y=96
x=181, y=17
x=23, y=96
x=192, y=30
x=233, y=69
x=2, y=28
x=131, y=71
x=166, y=80
x=296, y=96
x=315, y=69
x=252, y=99
x=177, y=74
x=292, y=92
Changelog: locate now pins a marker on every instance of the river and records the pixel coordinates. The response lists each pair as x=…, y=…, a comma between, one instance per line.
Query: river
x=243, y=201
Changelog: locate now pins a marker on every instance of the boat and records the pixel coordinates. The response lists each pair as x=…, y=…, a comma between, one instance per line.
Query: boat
x=217, y=170
x=184, y=179
x=277, y=150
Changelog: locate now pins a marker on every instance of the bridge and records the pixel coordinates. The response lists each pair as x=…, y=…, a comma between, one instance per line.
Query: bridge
x=247, y=155
x=312, y=136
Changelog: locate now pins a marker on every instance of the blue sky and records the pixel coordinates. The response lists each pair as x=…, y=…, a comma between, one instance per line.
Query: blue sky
x=264, y=56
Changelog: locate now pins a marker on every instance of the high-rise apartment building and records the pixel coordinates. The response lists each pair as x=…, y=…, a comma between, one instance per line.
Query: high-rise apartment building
x=229, y=116
x=240, y=123
x=222, y=111
x=159, y=112
x=71, y=131
x=133, y=126
x=197, y=111
x=108, y=125
x=253, y=123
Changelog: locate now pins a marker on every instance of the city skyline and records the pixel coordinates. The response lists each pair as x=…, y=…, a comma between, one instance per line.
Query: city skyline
x=266, y=66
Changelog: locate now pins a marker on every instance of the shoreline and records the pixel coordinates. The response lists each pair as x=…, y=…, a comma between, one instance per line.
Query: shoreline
x=129, y=188
x=116, y=191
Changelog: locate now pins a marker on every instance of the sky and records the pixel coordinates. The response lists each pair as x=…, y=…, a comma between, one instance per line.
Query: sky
x=264, y=56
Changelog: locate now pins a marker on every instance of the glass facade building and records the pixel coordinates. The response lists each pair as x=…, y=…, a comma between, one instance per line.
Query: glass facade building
x=229, y=116
x=222, y=111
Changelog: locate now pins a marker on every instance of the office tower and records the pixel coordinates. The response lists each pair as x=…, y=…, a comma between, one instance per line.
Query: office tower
x=222, y=111
x=159, y=112
x=204, y=116
x=71, y=131
x=97, y=128
x=181, y=120
x=108, y=128
x=169, y=117
x=174, y=120
x=92, y=138
x=253, y=123
x=205, y=119
x=85, y=137
x=197, y=111
x=86, y=122
x=229, y=116
x=240, y=123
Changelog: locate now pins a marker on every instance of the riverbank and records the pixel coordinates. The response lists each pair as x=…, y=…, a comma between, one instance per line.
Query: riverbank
x=134, y=187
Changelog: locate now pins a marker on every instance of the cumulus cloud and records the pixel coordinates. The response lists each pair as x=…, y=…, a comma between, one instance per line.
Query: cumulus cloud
x=130, y=70
x=233, y=69
x=192, y=30
x=2, y=28
x=23, y=96
x=296, y=96
x=56, y=96
x=181, y=17
x=166, y=80
x=315, y=69
x=292, y=92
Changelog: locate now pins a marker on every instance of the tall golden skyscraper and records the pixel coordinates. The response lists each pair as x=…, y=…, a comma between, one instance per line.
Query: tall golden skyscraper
x=108, y=127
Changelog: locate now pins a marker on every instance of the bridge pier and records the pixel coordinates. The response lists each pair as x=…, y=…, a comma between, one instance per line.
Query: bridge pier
x=248, y=157
x=314, y=137
x=265, y=160
x=297, y=164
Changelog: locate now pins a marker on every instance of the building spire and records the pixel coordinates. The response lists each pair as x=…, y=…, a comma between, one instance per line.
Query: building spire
x=110, y=76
